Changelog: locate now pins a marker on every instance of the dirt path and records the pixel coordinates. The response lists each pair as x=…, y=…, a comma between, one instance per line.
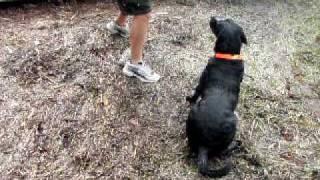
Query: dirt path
x=66, y=111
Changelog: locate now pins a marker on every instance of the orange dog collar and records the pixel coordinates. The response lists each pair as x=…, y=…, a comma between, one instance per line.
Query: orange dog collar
x=228, y=56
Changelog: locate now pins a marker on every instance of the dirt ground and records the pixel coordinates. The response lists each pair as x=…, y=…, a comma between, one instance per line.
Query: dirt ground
x=67, y=112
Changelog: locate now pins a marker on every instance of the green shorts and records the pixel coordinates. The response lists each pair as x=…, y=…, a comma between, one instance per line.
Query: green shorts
x=135, y=7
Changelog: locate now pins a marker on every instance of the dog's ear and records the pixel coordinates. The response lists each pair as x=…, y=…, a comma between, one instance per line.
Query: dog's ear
x=243, y=37
x=213, y=24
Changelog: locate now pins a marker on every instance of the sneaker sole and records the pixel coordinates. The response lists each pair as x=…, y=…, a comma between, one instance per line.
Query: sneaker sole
x=114, y=32
x=131, y=74
x=123, y=35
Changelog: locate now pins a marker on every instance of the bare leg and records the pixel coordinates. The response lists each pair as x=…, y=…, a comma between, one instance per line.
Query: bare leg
x=122, y=19
x=138, y=36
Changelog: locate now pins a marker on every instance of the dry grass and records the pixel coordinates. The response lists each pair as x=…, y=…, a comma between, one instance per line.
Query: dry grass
x=67, y=112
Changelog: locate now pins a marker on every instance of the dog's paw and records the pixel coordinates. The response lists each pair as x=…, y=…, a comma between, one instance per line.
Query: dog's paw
x=190, y=99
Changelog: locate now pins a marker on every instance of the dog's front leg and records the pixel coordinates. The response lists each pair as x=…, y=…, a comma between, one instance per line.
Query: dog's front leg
x=193, y=98
x=199, y=89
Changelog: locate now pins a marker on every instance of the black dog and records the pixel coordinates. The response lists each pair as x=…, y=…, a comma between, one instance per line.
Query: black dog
x=211, y=125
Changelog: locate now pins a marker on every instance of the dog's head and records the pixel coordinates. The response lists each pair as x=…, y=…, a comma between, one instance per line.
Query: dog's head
x=230, y=35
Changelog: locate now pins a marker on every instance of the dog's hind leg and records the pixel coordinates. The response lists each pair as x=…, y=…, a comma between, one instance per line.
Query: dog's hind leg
x=203, y=161
x=213, y=173
x=191, y=134
x=234, y=146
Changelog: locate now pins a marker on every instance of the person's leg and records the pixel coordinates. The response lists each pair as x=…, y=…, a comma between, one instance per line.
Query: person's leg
x=138, y=35
x=137, y=67
x=134, y=66
x=122, y=19
x=119, y=26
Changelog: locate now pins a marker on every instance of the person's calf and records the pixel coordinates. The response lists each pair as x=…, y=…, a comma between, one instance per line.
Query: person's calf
x=138, y=34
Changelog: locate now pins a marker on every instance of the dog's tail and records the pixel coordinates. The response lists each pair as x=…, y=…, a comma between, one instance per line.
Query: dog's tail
x=203, y=165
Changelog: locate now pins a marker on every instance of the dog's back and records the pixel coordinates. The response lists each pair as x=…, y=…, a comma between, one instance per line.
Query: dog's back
x=223, y=80
x=214, y=114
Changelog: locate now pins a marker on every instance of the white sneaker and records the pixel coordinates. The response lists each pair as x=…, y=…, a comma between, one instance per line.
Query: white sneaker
x=140, y=71
x=114, y=28
x=125, y=57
